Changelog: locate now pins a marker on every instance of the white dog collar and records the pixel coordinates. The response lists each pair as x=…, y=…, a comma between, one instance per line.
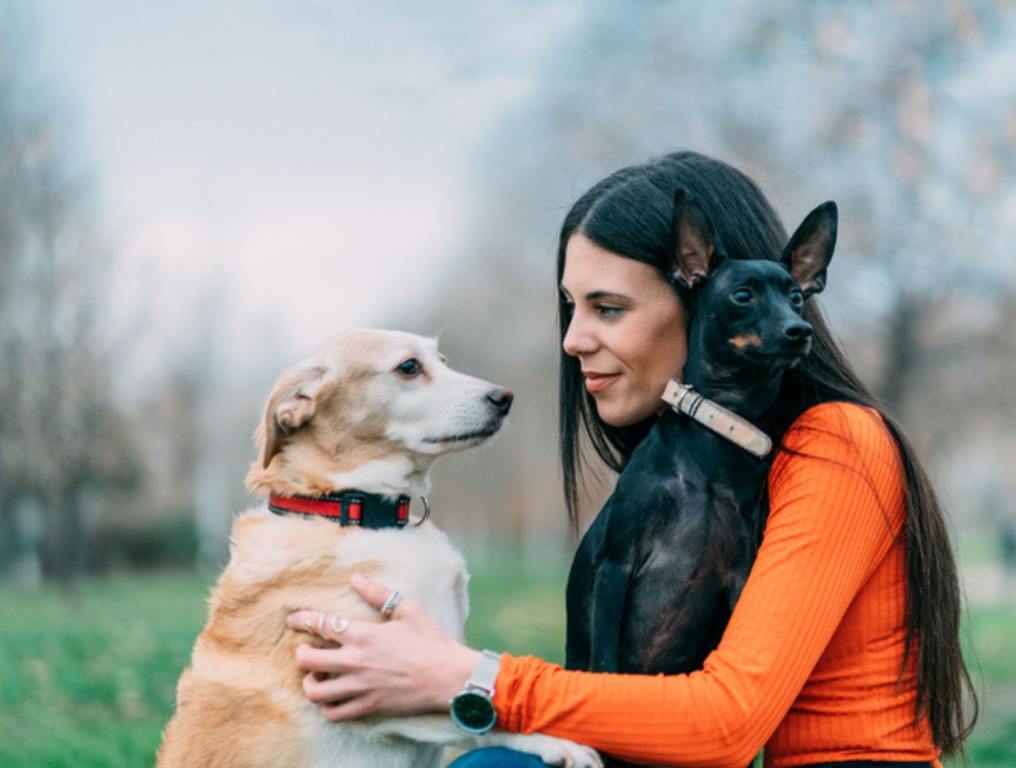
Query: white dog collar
x=724, y=422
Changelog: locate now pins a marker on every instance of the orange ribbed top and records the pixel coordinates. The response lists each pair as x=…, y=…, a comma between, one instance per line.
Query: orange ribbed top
x=809, y=664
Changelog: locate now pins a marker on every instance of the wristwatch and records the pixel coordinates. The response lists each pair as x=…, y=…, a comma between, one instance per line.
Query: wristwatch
x=472, y=709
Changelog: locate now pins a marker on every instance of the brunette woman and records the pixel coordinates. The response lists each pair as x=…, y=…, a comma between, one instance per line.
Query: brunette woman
x=844, y=647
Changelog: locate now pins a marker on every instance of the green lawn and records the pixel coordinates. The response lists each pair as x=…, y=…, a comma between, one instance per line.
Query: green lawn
x=90, y=681
x=991, y=655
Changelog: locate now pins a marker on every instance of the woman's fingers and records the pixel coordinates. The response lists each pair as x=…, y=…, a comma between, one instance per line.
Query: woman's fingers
x=372, y=593
x=377, y=595
x=360, y=706
x=331, y=661
x=331, y=690
x=335, y=628
x=341, y=630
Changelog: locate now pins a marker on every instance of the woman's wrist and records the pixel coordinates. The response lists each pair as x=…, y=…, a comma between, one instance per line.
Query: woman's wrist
x=454, y=670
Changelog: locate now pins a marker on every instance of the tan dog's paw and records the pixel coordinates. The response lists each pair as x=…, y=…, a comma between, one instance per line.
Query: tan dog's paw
x=559, y=752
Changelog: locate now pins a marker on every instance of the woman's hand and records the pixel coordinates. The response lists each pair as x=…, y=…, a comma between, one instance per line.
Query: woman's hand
x=406, y=665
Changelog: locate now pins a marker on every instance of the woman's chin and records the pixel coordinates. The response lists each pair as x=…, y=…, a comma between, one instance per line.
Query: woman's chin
x=617, y=415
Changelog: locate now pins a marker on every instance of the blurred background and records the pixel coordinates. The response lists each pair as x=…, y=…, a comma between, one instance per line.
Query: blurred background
x=193, y=195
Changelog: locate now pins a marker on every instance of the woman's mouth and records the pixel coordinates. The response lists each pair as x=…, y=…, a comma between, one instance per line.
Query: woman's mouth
x=597, y=382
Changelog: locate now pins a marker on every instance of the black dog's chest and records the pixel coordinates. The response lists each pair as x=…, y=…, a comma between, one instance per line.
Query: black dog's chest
x=656, y=574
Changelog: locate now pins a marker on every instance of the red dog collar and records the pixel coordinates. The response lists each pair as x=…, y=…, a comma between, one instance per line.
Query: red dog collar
x=366, y=510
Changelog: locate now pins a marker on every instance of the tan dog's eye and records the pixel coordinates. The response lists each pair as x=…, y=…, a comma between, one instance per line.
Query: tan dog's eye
x=410, y=368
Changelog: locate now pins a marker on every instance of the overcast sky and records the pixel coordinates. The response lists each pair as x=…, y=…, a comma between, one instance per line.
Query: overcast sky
x=303, y=164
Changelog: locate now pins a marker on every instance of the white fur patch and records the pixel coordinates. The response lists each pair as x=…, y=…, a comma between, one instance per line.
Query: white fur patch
x=393, y=476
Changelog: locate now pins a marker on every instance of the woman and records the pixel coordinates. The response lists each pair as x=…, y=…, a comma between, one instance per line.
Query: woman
x=844, y=645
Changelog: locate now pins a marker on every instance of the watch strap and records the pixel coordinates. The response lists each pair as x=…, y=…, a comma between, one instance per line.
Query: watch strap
x=485, y=672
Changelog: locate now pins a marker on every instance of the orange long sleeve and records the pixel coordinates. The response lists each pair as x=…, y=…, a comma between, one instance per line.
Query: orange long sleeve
x=809, y=664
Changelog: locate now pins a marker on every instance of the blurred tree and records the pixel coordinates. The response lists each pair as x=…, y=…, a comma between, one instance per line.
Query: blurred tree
x=62, y=437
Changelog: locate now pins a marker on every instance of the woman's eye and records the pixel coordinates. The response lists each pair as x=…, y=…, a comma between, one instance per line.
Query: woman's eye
x=409, y=368
x=742, y=295
x=608, y=311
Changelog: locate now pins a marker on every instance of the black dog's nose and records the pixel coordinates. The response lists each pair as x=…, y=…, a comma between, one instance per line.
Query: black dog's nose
x=501, y=399
x=798, y=331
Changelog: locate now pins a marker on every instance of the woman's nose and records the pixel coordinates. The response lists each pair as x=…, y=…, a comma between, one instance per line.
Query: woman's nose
x=578, y=340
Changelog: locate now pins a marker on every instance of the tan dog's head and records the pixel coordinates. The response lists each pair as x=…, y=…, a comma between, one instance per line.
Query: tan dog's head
x=370, y=410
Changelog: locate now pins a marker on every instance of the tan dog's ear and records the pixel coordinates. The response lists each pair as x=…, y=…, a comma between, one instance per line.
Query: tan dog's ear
x=292, y=404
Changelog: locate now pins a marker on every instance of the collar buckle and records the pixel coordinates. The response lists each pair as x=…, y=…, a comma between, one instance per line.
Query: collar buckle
x=352, y=509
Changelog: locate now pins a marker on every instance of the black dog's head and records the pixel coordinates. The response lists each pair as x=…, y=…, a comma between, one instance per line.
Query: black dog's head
x=749, y=311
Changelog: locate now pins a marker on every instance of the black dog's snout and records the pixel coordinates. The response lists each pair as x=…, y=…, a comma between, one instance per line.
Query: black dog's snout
x=501, y=399
x=797, y=331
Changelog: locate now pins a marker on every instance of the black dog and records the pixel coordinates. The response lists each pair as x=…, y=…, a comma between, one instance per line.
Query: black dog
x=658, y=572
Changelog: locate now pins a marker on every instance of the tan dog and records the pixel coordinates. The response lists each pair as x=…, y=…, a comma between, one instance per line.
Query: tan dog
x=370, y=410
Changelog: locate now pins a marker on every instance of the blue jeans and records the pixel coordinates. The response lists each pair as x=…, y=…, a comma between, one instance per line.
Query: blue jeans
x=497, y=757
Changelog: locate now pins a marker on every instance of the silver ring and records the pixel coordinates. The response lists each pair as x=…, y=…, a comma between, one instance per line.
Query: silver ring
x=339, y=625
x=389, y=605
x=321, y=625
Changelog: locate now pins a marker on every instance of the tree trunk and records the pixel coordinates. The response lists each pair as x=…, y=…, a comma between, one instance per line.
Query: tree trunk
x=64, y=542
x=901, y=355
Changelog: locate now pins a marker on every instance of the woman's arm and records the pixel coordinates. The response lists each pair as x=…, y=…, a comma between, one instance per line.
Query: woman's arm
x=829, y=526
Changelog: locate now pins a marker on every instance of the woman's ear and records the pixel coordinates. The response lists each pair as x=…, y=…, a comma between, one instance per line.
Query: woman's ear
x=292, y=404
x=810, y=249
x=697, y=251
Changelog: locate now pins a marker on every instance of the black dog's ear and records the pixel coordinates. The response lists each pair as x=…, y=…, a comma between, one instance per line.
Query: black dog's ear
x=697, y=251
x=810, y=249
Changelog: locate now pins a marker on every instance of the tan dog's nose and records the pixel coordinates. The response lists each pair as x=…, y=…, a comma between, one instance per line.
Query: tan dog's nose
x=501, y=399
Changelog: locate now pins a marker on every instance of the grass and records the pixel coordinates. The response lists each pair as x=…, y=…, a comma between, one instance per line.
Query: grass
x=89, y=681
x=989, y=649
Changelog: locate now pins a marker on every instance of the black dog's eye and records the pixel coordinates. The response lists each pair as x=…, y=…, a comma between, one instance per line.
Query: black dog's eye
x=796, y=297
x=410, y=368
x=742, y=295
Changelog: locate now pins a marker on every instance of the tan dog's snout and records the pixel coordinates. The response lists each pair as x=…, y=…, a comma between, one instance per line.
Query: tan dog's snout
x=501, y=400
x=498, y=402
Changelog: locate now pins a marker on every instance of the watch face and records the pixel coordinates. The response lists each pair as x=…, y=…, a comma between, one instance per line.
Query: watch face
x=473, y=712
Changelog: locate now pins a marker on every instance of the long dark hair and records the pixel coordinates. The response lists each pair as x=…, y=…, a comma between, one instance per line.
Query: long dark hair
x=629, y=213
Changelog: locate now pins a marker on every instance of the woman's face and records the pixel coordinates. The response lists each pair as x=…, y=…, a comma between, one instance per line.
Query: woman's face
x=628, y=330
